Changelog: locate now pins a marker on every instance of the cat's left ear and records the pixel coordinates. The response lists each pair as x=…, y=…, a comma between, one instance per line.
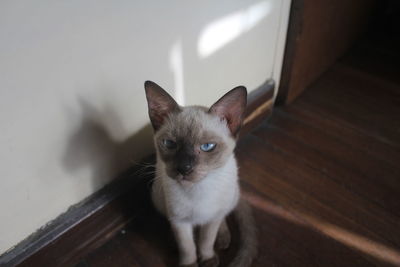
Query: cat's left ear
x=160, y=104
x=231, y=108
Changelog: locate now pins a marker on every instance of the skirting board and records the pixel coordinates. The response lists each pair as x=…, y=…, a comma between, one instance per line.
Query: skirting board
x=95, y=220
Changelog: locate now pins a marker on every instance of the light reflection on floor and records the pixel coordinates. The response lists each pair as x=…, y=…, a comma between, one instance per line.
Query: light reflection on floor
x=348, y=238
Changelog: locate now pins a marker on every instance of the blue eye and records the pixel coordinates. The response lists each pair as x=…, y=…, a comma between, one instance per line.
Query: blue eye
x=207, y=147
x=169, y=144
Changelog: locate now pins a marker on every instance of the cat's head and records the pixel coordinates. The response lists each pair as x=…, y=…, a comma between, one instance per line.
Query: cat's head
x=193, y=141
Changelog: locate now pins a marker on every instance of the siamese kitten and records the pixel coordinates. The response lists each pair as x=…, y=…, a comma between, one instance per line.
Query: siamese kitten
x=196, y=181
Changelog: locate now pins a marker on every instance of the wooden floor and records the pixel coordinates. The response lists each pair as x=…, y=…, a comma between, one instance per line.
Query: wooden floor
x=323, y=176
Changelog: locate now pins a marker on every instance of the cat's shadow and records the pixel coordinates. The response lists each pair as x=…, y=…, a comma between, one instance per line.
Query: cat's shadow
x=93, y=147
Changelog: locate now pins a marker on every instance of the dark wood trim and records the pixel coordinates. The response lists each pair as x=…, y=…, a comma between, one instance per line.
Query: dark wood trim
x=96, y=219
x=259, y=106
x=319, y=33
x=84, y=226
x=294, y=30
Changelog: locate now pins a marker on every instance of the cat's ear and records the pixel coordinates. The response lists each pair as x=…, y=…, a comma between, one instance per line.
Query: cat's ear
x=160, y=104
x=231, y=108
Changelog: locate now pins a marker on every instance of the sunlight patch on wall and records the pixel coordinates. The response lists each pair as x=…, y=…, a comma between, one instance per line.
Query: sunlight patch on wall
x=221, y=32
x=176, y=65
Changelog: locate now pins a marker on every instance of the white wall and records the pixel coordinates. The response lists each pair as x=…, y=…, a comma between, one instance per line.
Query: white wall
x=72, y=106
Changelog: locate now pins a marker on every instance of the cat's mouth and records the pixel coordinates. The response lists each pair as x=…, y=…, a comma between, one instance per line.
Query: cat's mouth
x=196, y=175
x=185, y=178
x=191, y=178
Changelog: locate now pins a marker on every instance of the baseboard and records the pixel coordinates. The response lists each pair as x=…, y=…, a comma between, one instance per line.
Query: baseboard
x=259, y=106
x=96, y=219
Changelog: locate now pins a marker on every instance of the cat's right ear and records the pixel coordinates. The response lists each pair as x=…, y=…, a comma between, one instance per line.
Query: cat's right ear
x=231, y=108
x=160, y=104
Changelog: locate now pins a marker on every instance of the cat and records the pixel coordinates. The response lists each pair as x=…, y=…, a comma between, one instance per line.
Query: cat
x=196, y=182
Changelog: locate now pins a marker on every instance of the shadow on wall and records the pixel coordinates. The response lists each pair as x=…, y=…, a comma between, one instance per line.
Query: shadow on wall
x=93, y=147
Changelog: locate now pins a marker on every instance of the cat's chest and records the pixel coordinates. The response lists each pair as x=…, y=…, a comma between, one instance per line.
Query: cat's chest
x=203, y=203
x=195, y=206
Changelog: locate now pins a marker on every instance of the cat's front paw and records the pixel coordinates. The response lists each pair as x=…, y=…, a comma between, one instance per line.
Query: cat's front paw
x=213, y=262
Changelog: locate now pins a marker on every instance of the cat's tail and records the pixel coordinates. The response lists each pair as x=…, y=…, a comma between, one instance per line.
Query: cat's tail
x=248, y=235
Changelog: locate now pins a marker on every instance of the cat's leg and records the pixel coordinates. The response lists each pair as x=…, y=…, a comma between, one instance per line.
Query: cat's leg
x=208, y=234
x=184, y=237
x=223, y=236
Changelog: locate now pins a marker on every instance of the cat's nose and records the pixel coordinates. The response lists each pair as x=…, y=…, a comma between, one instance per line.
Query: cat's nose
x=185, y=168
